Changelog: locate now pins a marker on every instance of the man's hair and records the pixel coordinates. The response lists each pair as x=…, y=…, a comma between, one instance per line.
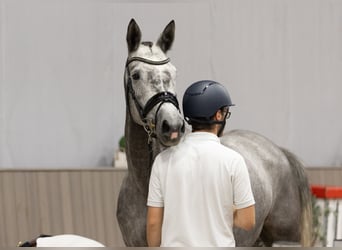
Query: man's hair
x=204, y=124
x=196, y=126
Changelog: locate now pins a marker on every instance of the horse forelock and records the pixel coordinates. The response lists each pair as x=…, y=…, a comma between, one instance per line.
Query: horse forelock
x=149, y=50
x=147, y=43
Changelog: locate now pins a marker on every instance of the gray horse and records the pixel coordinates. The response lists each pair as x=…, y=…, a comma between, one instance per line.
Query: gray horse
x=153, y=121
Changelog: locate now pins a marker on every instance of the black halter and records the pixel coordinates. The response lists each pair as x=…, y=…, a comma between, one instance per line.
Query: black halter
x=159, y=98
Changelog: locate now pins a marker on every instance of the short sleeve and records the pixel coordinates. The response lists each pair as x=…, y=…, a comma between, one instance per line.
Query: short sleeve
x=155, y=195
x=243, y=195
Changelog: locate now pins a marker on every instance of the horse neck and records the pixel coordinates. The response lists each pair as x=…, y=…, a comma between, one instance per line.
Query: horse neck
x=139, y=157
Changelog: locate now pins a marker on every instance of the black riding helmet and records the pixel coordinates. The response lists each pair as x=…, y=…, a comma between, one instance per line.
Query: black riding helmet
x=202, y=100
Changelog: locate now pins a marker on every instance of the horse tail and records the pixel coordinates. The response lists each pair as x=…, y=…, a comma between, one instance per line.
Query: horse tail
x=299, y=174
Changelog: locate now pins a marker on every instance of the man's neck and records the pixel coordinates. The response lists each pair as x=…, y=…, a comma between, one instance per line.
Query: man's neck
x=214, y=130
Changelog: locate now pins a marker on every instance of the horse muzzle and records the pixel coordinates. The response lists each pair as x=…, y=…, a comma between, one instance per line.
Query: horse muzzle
x=171, y=132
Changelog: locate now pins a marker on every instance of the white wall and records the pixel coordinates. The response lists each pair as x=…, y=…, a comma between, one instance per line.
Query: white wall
x=62, y=62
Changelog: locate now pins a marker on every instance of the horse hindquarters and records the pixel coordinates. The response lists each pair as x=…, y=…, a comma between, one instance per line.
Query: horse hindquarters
x=283, y=220
x=291, y=216
x=276, y=175
x=305, y=198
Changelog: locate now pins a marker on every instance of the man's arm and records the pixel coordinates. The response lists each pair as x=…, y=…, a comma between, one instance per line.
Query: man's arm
x=154, y=225
x=245, y=218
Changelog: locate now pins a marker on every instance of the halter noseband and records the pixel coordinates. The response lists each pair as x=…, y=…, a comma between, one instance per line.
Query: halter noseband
x=159, y=98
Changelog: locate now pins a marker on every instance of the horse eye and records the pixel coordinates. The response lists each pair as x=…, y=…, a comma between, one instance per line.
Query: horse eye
x=136, y=76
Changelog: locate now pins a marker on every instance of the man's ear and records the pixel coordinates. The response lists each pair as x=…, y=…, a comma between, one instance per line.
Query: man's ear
x=218, y=115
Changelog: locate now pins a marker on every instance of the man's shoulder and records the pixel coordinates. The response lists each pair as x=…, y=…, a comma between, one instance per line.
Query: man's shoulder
x=231, y=152
x=168, y=151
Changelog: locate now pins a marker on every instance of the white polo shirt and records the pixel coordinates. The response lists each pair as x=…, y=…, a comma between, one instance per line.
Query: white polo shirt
x=198, y=182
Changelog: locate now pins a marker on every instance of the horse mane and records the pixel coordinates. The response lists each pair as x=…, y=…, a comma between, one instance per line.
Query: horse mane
x=147, y=43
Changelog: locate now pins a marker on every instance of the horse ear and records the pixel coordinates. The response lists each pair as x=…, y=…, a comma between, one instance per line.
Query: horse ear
x=166, y=38
x=133, y=37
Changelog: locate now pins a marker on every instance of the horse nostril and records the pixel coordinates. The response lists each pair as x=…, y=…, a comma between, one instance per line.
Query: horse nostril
x=165, y=127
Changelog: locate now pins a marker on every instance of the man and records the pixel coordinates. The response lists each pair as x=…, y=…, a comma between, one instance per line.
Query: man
x=199, y=189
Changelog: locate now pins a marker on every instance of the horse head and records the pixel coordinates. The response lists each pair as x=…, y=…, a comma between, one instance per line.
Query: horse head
x=150, y=85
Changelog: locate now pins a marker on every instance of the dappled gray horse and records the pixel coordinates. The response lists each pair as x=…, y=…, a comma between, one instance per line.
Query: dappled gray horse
x=153, y=121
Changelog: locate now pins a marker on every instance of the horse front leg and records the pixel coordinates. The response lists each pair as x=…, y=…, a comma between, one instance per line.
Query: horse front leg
x=131, y=215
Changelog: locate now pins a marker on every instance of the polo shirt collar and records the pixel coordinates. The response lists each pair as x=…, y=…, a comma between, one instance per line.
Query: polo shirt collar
x=202, y=136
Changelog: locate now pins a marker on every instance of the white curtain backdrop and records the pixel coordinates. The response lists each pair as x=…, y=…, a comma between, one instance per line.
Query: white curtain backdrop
x=62, y=62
